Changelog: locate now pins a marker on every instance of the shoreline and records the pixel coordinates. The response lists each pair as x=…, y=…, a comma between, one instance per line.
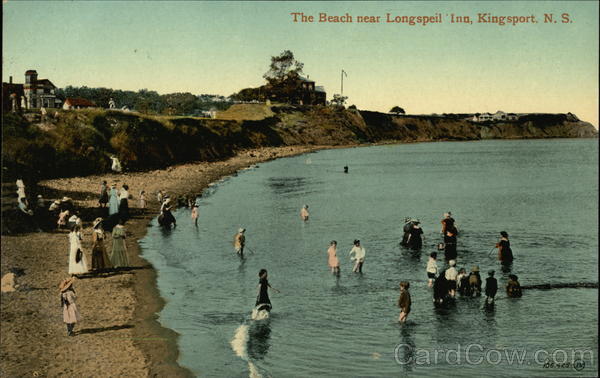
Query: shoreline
x=126, y=331
x=120, y=327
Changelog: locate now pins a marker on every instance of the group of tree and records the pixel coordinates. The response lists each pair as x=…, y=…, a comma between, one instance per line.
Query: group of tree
x=146, y=101
x=283, y=82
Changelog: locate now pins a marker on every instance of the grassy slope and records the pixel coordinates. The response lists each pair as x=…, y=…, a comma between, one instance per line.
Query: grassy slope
x=81, y=142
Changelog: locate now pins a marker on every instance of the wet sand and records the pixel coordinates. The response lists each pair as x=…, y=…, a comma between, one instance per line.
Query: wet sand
x=119, y=334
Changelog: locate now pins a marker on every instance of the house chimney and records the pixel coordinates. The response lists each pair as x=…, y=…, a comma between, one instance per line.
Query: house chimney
x=10, y=79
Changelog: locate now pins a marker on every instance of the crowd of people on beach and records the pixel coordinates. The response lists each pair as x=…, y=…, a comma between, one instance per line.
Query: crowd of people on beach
x=114, y=204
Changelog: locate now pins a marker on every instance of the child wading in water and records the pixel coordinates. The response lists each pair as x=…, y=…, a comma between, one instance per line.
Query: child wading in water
x=404, y=301
x=432, y=268
x=304, y=213
x=333, y=261
x=195, y=214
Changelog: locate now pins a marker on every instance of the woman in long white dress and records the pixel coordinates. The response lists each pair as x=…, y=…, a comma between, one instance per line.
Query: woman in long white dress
x=113, y=202
x=76, y=267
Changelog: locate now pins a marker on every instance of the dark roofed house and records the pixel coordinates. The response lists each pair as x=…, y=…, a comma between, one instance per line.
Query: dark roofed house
x=311, y=94
x=77, y=103
x=12, y=96
x=39, y=92
x=34, y=94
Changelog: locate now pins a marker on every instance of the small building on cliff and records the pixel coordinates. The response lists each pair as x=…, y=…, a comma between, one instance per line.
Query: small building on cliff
x=311, y=94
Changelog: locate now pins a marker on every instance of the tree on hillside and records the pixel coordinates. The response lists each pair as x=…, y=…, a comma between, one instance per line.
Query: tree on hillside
x=283, y=78
x=352, y=107
x=338, y=99
x=397, y=110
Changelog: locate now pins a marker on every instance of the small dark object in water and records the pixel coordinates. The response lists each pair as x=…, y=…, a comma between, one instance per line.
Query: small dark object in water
x=346, y=169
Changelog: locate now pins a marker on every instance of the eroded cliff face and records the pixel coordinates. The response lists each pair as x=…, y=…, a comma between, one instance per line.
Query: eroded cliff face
x=81, y=142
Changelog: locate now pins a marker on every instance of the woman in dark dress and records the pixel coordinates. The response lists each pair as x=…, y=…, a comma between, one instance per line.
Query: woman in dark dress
x=450, y=245
x=505, y=254
x=262, y=300
x=103, y=200
x=415, y=241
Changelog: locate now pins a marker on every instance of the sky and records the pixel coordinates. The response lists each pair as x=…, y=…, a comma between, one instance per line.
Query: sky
x=222, y=47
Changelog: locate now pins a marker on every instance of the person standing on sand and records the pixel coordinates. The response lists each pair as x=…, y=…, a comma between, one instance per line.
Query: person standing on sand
x=404, y=302
x=119, y=257
x=333, y=261
x=103, y=200
x=77, y=260
x=304, y=213
x=62, y=219
x=195, y=214
x=124, y=202
x=113, y=202
x=67, y=301
x=142, y=199
x=359, y=256
x=100, y=260
x=239, y=242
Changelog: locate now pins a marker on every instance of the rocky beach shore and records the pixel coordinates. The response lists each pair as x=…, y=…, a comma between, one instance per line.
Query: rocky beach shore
x=119, y=334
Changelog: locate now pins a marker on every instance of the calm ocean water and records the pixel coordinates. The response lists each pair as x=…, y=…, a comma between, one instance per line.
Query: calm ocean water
x=544, y=193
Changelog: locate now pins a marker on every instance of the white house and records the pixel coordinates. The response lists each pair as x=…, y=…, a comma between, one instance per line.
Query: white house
x=483, y=117
x=499, y=116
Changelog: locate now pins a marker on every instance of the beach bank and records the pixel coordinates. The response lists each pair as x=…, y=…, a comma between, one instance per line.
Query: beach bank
x=120, y=334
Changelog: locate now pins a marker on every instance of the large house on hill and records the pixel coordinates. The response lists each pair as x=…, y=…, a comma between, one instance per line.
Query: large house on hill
x=34, y=94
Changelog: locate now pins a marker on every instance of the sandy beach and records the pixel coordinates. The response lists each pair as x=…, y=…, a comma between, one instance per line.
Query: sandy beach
x=119, y=334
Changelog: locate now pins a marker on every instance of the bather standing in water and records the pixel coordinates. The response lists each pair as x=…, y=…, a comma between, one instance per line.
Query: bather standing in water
x=450, y=245
x=415, y=239
x=262, y=300
x=432, y=268
x=491, y=288
x=239, y=241
x=404, y=301
x=449, y=224
x=195, y=214
x=505, y=254
x=359, y=256
x=333, y=261
x=304, y=213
